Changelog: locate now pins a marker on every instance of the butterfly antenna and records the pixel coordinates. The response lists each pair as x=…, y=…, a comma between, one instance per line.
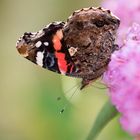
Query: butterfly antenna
x=67, y=91
x=63, y=109
x=99, y=87
x=101, y=83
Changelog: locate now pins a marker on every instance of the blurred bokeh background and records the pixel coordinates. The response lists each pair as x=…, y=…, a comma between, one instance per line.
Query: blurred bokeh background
x=29, y=109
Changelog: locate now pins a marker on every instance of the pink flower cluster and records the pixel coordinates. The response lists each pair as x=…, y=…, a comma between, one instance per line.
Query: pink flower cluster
x=123, y=80
x=127, y=10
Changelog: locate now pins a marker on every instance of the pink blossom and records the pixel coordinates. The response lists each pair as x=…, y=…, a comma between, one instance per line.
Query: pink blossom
x=127, y=10
x=123, y=80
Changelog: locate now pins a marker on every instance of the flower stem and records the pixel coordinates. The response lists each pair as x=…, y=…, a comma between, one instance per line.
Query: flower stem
x=107, y=113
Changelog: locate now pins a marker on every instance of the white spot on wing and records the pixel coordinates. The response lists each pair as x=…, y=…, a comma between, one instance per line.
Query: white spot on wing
x=46, y=43
x=39, y=58
x=38, y=44
x=72, y=51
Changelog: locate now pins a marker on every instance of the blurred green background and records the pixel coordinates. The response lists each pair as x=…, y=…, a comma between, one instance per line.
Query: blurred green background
x=29, y=109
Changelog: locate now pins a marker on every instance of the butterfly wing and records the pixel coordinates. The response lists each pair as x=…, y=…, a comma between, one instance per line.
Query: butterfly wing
x=47, y=49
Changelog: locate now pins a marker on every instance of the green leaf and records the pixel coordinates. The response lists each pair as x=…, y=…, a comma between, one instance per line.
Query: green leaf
x=107, y=113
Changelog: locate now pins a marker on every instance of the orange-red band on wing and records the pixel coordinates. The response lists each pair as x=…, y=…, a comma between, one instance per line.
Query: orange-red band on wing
x=62, y=63
x=57, y=43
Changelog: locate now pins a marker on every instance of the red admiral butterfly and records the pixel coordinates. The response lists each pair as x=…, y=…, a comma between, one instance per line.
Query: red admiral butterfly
x=81, y=47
